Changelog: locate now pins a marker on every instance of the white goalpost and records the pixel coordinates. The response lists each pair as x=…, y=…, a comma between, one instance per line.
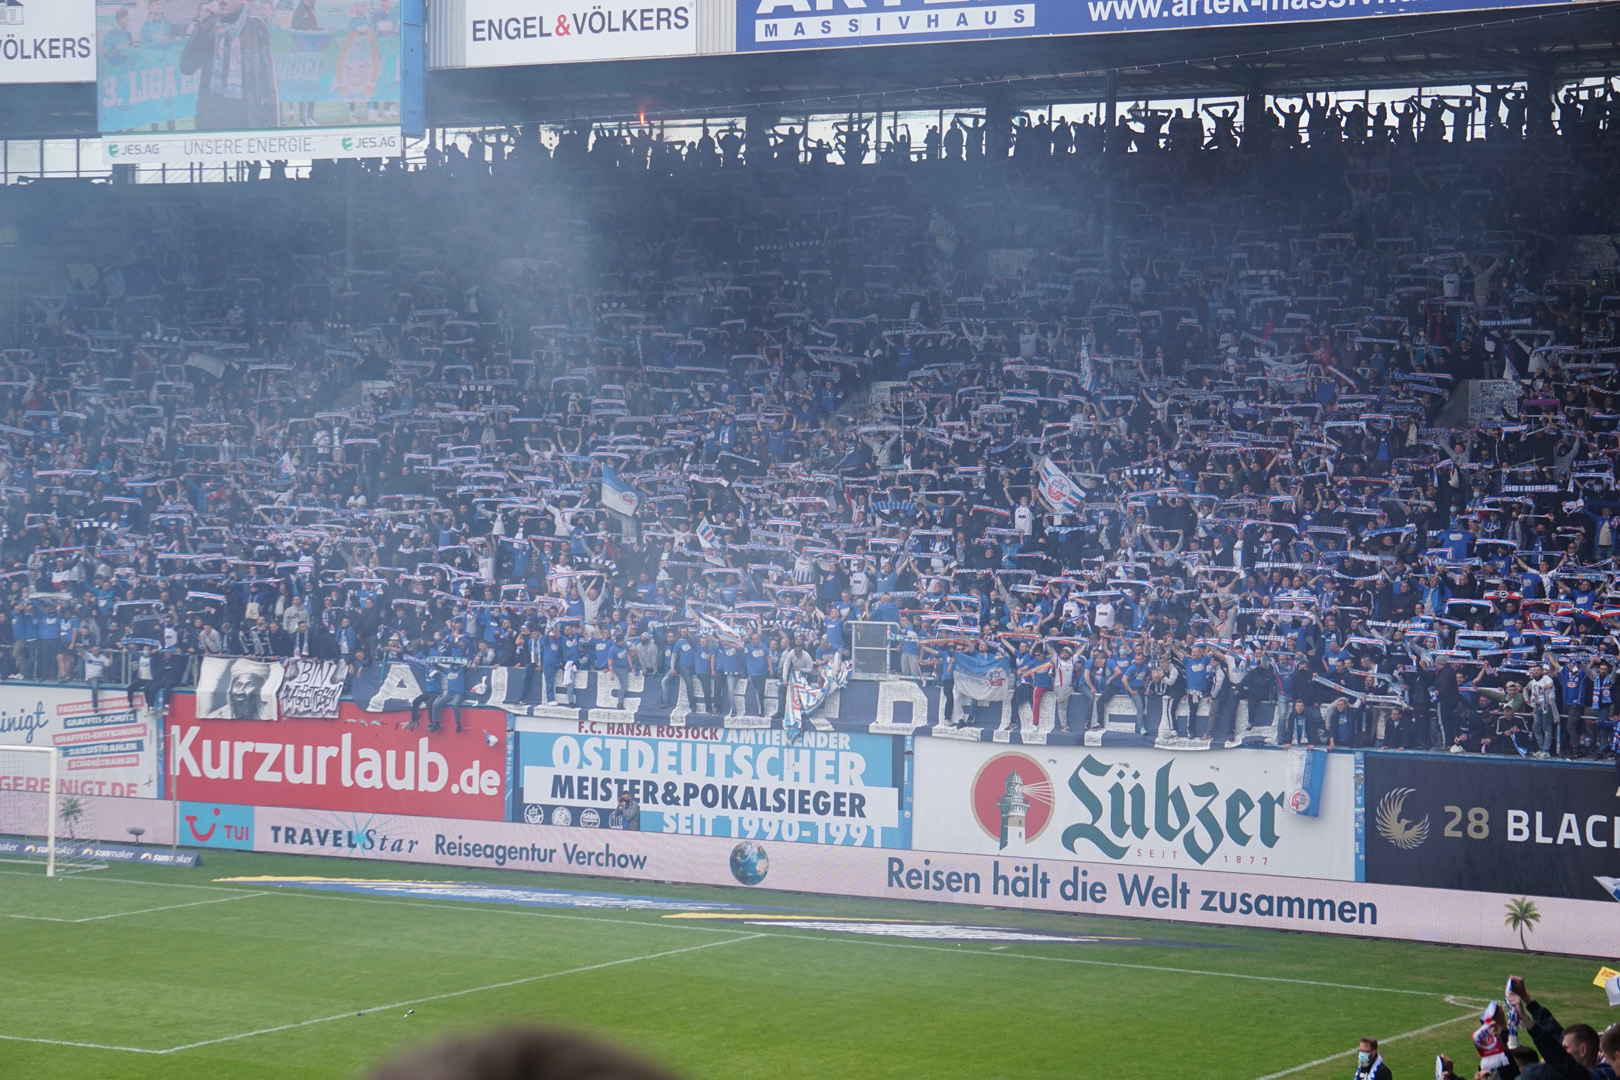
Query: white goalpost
x=33, y=812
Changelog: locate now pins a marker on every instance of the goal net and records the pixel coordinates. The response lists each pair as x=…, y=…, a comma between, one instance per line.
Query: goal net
x=38, y=824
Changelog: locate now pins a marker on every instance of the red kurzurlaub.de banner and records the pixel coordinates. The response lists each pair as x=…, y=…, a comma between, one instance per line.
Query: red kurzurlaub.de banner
x=351, y=764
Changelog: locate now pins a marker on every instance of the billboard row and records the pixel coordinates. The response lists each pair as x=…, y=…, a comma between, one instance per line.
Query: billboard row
x=829, y=787
x=499, y=33
x=106, y=749
x=1135, y=807
x=1188, y=894
x=1473, y=823
x=774, y=25
x=47, y=41
x=358, y=763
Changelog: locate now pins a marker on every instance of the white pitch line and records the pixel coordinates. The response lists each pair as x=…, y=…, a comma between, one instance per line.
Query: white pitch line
x=1381, y=1043
x=168, y=907
x=495, y=909
x=851, y=939
x=134, y=881
x=461, y=993
x=80, y=1045
x=379, y=1008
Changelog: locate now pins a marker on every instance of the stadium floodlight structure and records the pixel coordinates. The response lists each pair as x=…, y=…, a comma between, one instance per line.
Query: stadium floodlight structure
x=29, y=809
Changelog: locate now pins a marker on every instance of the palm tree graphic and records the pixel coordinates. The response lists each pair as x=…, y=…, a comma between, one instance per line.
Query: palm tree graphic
x=1521, y=916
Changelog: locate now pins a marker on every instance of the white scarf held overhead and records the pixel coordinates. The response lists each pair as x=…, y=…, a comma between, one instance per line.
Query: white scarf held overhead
x=226, y=79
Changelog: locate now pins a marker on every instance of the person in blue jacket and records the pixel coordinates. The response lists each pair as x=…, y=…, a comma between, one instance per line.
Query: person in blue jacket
x=707, y=671
x=733, y=673
x=551, y=659
x=682, y=668
x=757, y=663
x=572, y=654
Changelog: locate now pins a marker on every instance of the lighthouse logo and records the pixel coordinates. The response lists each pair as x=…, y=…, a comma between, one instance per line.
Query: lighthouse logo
x=1012, y=799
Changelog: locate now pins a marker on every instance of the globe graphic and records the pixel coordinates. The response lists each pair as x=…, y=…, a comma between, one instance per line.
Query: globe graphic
x=749, y=863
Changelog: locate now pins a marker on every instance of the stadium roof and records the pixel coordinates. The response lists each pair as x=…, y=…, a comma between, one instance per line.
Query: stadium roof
x=1565, y=44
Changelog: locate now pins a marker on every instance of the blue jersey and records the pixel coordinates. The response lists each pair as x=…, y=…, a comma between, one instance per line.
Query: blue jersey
x=1573, y=685
x=757, y=659
x=1198, y=675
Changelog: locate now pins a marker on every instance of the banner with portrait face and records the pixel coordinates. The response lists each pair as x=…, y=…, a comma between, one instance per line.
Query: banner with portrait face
x=237, y=689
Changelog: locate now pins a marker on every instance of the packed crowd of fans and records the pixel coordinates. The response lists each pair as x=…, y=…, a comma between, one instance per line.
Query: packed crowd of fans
x=369, y=415
x=1519, y=1036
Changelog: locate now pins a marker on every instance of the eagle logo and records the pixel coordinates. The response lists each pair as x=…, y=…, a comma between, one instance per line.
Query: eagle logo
x=1404, y=833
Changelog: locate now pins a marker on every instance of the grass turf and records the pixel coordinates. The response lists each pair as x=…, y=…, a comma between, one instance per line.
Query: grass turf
x=160, y=972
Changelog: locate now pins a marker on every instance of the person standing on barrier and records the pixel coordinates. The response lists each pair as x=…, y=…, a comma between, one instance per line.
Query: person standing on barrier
x=551, y=650
x=1136, y=680
x=1023, y=665
x=1601, y=703
x=1063, y=668
x=1196, y=671
x=1574, y=689
x=95, y=666
x=681, y=666
x=1541, y=691
x=644, y=659
x=614, y=660
x=1088, y=679
x=910, y=649
x=757, y=662
x=795, y=659
x=732, y=677
x=945, y=678
x=708, y=672
x=1446, y=690
x=572, y=654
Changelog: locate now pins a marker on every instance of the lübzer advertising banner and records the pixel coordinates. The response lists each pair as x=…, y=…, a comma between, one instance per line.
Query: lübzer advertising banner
x=1133, y=807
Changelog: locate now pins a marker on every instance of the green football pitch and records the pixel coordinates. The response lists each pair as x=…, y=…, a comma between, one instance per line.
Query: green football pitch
x=157, y=972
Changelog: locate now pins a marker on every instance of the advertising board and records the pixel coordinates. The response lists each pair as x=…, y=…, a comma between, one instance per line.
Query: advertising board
x=107, y=751
x=47, y=41
x=101, y=817
x=225, y=80
x=1185, y=895
x=501, y=33
x=771, y=25
x=828, y=787
x=1473, y=823
x=1133, y=807
x=356, y=764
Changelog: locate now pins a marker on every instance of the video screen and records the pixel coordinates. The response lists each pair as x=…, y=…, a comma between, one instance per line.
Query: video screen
x=246, y=65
